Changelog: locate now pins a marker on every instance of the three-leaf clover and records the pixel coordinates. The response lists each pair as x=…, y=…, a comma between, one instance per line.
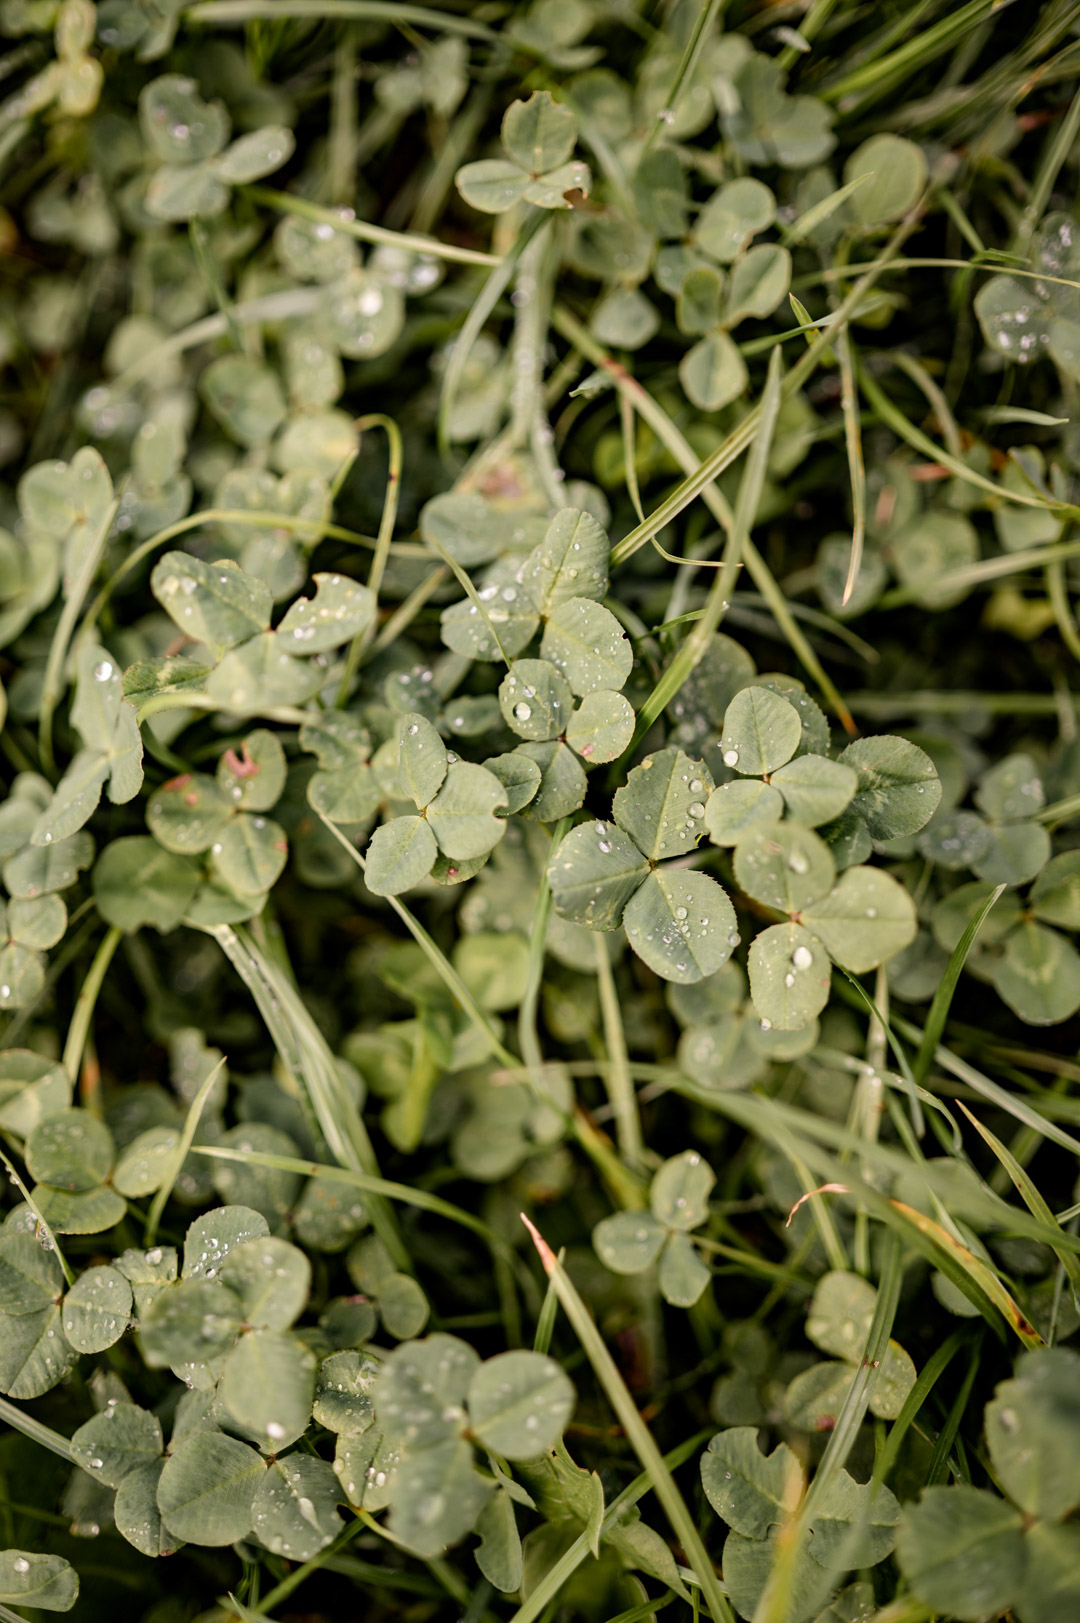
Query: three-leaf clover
x=186, y=137
x=538, y=137
x=629, y=1242
x=852, y=1524
x=680, y=922
x=1021, y=950
x=434, y=1402
x=969, y=1554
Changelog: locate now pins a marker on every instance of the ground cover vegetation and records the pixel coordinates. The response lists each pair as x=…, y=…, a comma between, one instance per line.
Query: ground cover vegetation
x=541, y=787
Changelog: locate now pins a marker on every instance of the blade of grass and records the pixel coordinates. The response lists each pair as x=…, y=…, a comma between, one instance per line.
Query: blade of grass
x=697, y=643
x=849, y=405
x=187, y=1139
x=1029, y=1194
x=246, y=11
x=925, y=1381
x=620, y=1085
x=482, y=306
x=894, y=418
x=367, y=1183
x=637, y=1433
x=939, y=1008
x=79, y=1029
x=52, y=683
x=685, y=70
x=436, y=957
x=305, y=1054
x=651, y=412
x=36, y=1431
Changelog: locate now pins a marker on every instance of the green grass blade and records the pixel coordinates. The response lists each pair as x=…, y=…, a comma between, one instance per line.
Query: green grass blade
x=637, y=1433
x=939, y=1008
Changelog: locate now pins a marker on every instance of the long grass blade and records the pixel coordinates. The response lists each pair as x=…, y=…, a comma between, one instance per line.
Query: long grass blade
x=939, y=1008
x=637, y=1433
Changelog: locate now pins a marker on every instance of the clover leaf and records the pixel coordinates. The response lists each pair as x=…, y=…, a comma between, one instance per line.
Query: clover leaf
x=538, y=137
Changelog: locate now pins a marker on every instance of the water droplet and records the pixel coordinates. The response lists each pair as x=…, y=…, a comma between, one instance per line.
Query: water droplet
x=802, y=958
x=731, y=757
x=103, y=671
x=522, y=711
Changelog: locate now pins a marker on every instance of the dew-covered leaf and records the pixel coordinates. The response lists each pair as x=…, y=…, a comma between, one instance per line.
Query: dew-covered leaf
x=47, y=1582
x=1014, y=853
x=249, y=854
x=601, y=727
x=790, y=976
x=571, y=561
x=206, y=1490
x=662, y=804
x=519, y=776
x=295, y=1512
x=680, y=1191
x=629, y=1242
x=30, y=1278
x=40, y=870
x=681, y=924
x=259, y=675
x=736, y=809
x=462, y=815
x=96, y=1309
x=683, y=1276
x=211, y=1237
x=271, y=1278
x=115, y=1441
x=188, y=813
x=256, y=154
x=212, y=603
x=538, y=134
x=136, y=1511
x=268, y=1385
x=193, y=1321
x=588, y=645
x=72, y=1149
x=815, y=789
x=865, y=920
x=340, y=610
x=899, y=789
x=785, y=866
x=749, y=1490
x=519, y=1404
x=438, y=1497
x=34, y=1352
x=421, y=758
x=420, y=1394
x=343, y=1393
x=535, y=700
x=253, y=777
x=562, y=781
x=761, y=732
